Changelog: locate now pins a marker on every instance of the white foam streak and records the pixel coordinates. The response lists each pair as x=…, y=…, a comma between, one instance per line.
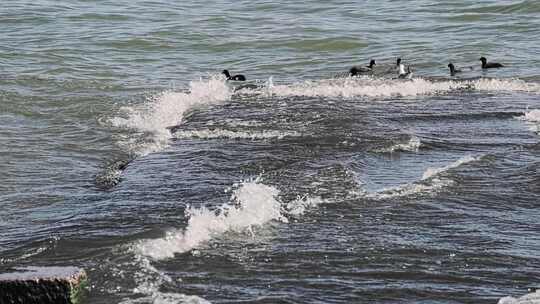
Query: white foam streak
x=348, y=88
x=411, y=189
x=431, y=172
x=168, y=109
x=220, y=133
x=252, y=204
x=508, y=85
x=429, y=183
x=532, y=116
x=533, y=120
x=412, y=145
x=531, y=298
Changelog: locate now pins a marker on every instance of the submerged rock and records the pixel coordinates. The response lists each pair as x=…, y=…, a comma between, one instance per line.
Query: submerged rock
x=43, y=285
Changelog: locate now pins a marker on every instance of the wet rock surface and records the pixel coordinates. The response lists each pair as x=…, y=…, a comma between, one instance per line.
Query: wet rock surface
x=42, y=285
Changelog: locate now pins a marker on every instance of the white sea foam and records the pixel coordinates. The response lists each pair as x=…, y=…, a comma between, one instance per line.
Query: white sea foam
x=168, y=109
x=429, y=183
x=412, y=145
x=533, y=120
x=220, y=133
x=532, y=116
x=149, y=280
x=431, y=172
x=252, y=203
x=349, y=87
x=531, y=298
x=410, y=189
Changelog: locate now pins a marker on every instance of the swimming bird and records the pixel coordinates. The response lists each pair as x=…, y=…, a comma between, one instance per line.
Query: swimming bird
x=355, y=70
x=401, y=72
x=453, y=70
x=400, y=66
x=489, y=65
x=235, y=77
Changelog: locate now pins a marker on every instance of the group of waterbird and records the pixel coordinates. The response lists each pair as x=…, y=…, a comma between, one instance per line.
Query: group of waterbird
x=402, y=73
x=363, y=70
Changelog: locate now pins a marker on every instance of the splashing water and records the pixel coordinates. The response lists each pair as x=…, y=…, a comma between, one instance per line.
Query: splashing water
x=168, y=109
x=252, y=204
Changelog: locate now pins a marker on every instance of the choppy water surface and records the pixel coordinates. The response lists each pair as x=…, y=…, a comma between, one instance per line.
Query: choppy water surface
x=124, y=152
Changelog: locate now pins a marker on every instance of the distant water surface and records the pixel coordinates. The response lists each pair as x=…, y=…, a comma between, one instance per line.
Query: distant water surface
x=124, y=152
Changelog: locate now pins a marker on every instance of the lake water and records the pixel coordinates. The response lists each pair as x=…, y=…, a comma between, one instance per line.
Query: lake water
x=125, y=152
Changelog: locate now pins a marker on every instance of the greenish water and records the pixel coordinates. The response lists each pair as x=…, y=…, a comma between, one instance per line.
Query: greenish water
x=351, y=190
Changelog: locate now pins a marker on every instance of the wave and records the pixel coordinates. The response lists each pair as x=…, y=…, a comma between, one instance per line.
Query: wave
x=533, y=118
x=220, y=133
x=164, y=110
x=378, y=87
x=531, y=298
x=251, y=204
x=413, y=145
x=153, y=119
x=431, y=182
x=431, y=172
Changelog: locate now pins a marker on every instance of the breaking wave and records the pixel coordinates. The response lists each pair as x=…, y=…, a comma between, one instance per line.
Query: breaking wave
x=252, y=203
x=165, y=110
x=370, y=87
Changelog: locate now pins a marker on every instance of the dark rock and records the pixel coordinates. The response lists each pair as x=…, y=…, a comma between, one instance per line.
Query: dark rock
x=42, y=285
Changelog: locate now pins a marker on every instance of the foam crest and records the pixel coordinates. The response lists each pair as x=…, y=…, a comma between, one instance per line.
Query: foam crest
x=168, y=109
x=531, y=298
x=220, y=133
x=369, y=87
x=410, y=189
x=412, y=145
x=509, y=85
x=251, y=204
x=532, y=116
x=431, y=172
